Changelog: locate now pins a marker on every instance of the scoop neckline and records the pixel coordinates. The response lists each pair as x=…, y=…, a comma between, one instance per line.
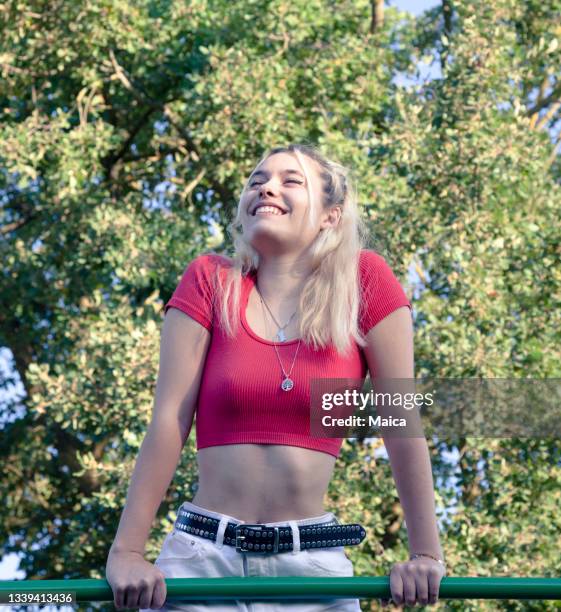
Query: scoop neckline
x=250, y=284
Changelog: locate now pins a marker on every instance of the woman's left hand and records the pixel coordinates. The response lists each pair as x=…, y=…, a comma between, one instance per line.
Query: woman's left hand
x=416, y=581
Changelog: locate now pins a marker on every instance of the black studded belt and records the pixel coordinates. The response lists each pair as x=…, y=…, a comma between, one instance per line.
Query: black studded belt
x=264, y=539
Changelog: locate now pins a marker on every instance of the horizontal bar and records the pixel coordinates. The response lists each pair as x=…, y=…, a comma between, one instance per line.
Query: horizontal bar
x=287, y=587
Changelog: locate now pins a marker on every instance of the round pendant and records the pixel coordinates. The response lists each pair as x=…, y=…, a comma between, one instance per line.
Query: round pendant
x=287, y=384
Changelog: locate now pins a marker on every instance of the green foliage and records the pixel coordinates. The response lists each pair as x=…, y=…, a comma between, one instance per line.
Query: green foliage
x=126, y=127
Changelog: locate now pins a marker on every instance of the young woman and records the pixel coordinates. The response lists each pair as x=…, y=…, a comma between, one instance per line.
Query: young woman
x=242, y=338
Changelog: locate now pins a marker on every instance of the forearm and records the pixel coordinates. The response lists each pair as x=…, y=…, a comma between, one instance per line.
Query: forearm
x=411, y=468
x=155, y=467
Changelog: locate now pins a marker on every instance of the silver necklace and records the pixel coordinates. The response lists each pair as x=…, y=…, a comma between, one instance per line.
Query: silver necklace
x=287, y=384
x=280, y=335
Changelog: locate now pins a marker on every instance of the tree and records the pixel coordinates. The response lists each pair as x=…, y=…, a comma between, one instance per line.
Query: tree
x=127, y=129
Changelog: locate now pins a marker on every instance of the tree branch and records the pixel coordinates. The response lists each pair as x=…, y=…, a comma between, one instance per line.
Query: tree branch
x=16, y=225
x=377, y=19
x=110, y=161
x=554, y=95
x=550, y=113
x=169, y=114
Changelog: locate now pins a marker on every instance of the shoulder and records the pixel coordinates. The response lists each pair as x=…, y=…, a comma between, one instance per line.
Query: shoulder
x=370, y=265
x=369, y=258
x=210, y=266
x=381, y=291
x=211, y=261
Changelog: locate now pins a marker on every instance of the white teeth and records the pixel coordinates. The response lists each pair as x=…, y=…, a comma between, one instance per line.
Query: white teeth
x=268, y=209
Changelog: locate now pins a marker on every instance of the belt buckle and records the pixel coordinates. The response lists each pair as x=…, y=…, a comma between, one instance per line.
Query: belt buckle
x=260, y=528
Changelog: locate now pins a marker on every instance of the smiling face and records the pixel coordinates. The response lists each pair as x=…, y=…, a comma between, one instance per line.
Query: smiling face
x=274, y=204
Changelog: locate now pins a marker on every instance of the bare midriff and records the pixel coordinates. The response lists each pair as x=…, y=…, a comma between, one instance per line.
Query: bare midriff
x=263, y=483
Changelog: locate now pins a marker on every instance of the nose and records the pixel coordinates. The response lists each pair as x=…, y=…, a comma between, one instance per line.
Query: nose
x=266, y=189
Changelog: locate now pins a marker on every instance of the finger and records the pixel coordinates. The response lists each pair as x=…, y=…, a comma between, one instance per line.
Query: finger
x=422, y=587
x=409, y=589
x=145, y=595
x=435, y=578
x=159, y=596
x=119, y=594
x=396, y=586
x=131, y=597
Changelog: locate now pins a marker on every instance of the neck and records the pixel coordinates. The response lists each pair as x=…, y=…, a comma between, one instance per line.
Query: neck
x=282, y=278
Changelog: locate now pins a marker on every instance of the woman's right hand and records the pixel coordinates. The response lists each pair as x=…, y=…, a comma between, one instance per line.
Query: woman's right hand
x=135, y=582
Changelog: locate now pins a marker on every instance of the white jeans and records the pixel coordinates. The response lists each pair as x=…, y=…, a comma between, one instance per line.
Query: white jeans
x=184, y=555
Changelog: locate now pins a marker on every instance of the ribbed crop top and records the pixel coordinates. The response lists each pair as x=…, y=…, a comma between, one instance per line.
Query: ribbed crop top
x=240, y=400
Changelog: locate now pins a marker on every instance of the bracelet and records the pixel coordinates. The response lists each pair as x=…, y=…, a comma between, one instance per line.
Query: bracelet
x=415, y=555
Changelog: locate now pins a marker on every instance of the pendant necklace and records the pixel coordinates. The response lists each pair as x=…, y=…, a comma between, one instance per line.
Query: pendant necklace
x=287, y=384
x=280, y=334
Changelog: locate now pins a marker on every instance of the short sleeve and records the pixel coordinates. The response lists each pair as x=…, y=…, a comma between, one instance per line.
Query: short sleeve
x=194, y=294
x=381, y=292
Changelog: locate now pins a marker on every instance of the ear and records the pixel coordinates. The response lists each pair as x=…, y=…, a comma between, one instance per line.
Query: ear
x=331, y=217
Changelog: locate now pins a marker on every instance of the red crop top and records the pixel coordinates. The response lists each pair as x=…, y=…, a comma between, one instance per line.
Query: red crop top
x=240, y=400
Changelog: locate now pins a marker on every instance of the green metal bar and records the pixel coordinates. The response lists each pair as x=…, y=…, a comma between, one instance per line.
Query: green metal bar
x=262, y=588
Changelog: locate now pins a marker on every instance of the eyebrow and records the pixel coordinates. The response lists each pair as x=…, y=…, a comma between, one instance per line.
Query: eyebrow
x=289, y=171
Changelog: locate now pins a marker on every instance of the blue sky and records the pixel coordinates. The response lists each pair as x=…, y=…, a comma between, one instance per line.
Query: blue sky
x=9, y=564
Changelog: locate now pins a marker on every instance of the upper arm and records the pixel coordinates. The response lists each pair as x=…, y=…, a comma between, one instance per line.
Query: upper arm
x=389, y=352
x=183, y=348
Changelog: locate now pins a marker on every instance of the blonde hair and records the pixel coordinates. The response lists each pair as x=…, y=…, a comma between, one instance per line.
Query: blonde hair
x=330, y=299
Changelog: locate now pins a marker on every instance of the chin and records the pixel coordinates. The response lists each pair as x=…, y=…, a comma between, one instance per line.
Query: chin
x=265, y=240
